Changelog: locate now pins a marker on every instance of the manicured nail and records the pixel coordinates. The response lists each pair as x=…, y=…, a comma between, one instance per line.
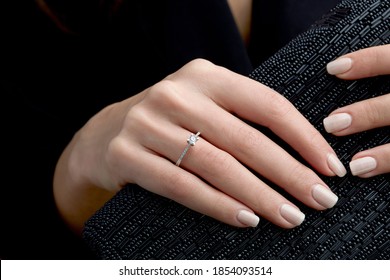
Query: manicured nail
x=248, y=218
x=324, y=196
x=339, y=66
x=292, y=214
x=336, y=165
x=362, y=165
x=337, y=122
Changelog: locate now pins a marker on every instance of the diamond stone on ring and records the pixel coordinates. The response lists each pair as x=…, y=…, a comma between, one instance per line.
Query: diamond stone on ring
x=190, y=142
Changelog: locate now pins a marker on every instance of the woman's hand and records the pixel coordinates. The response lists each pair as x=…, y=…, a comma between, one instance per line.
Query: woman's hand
x=364, y=115
x=141, y=139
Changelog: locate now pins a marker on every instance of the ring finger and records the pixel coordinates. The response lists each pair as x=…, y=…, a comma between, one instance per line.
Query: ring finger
x=225, y=174
x=254, y=149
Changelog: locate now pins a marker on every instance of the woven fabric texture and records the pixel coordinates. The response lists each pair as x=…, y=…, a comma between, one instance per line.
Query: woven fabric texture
x=137, y=224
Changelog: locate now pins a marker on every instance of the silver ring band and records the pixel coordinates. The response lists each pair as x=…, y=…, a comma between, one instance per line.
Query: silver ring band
x=190, y=142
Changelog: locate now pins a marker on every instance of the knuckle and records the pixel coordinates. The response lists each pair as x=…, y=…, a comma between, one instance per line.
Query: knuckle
x=386, y=151
x=249, y=140
x=138, y=116
x=200, y=69
x=370, y=59
x=316, y=143
x=136, y=112
x=162, y=87
x=162, y=90
x=299, y=176
x=385, y=156
x=165, y=94
x=199, y=64
x=222, y=162
x=279, y=107
x=373, y=113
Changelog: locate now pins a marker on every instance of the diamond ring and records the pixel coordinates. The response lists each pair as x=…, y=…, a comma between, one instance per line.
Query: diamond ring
x=190, y=142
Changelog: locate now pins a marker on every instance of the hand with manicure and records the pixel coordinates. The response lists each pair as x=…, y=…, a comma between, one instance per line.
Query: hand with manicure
x=364, y=115
x=149, y=140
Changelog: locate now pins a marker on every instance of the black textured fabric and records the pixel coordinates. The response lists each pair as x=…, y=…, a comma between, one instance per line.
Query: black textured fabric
x=137, y=224
x=52, y=82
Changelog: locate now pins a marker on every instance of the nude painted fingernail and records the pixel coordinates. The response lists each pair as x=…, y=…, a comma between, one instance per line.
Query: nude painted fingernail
x=336, y=165
x=337, y=122
x=292, y=214
x=362, y=165
x=324, y=196
x=248, y=218
x=339, y=66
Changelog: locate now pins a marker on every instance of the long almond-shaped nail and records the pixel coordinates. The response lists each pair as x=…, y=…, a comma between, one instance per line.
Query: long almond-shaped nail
x=337, y=122
x=336, y=165
x=292, y=214
x=363, y=165
x=324, y=196
x=339, y=66
x=248, y=218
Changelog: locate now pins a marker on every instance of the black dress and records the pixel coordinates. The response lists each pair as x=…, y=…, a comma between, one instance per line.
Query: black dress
x=53, y=81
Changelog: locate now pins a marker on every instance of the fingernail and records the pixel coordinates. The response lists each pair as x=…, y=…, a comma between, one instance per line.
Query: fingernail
x=339, y=66
x=362, y=165
x=248, y=218
x=292, y=214
x=336, y=166
x=337, y=122
x=324, y=196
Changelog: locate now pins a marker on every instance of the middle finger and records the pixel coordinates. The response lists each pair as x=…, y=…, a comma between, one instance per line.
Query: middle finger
x=252, y=148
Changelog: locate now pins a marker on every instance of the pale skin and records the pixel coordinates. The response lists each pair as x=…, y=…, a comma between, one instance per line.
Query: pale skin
x=139, y=140
x=371, y=113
